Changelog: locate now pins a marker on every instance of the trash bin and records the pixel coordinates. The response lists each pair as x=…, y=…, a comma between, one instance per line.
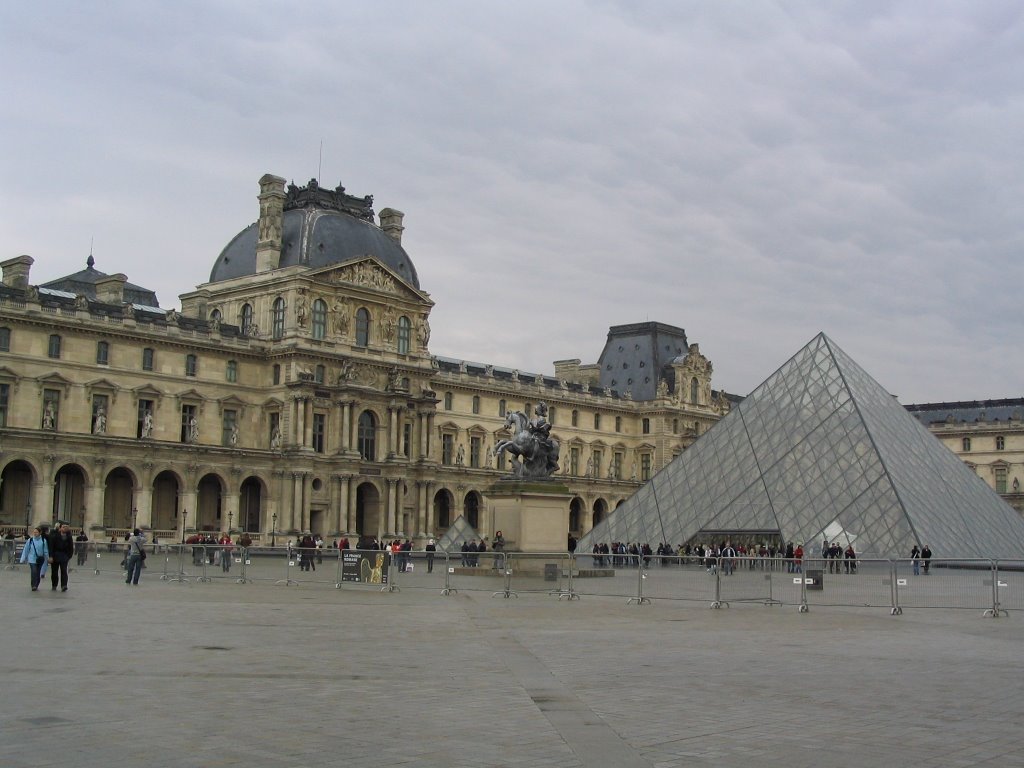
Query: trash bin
x=815, y=579
x=550, y=571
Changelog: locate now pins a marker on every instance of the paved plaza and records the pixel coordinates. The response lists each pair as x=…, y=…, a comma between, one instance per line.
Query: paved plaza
x=224, y=674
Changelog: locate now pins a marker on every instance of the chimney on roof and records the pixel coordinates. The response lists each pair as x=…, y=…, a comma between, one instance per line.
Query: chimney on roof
x=110, y=289
x=391, y=223
x=16, y=271
x=271, y=223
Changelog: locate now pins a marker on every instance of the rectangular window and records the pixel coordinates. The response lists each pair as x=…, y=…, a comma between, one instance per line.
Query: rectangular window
x=447, y=449
x=145, y=409
x=99, y=414
x=189, y=424
x=575, y=418
x=574, y=462
x=476, y=403
x=1000, y=479
x=407, y=440
x=598, y=458
x=646, y=426
x=319, y=431
x=5, y=395
x=616, y=468
x=501, y=408
x=102, y=353
x=448, y=400
x=645, y=466
x=475, y=444
x=229, y=428
x=597, y=421
x=53, y=348
x=232, y=371
x=51, y=408
x=277, y=374
x=147, y=359
x=618, y=423
x=319, y=374
x=190, y=365
x=551, y=415
x=5, y=339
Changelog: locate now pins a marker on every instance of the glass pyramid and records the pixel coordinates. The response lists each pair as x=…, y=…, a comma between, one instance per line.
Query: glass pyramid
x=458, y=533
x=821, y=450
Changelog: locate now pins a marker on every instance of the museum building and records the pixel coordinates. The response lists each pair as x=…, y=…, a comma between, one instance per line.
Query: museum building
x=295, y=391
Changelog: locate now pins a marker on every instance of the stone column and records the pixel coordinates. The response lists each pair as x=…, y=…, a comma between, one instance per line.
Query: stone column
x=93, y=506
x=307, y=422
x=428, y=508
x=307, y=495
x=295, y=513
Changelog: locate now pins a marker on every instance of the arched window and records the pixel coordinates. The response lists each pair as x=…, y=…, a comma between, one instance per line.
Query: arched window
x=362, y=327
x=404, y=335
x=967, y=443
x=319, y=319
x=367, y=437
x=215, y=317
x=694, y=387
x=1000, y=443
x=277, y=319
x=246, y=319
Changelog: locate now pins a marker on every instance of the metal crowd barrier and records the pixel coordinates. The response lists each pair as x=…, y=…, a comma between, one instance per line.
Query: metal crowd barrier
x=991, y=586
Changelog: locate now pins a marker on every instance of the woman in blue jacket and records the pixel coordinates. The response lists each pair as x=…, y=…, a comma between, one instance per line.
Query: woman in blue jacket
x=35, y=553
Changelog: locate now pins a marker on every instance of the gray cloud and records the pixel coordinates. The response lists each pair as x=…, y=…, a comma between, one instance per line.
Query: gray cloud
x=752, y=173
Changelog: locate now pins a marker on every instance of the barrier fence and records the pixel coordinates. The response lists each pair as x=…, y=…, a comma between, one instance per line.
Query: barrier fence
x=991, y=586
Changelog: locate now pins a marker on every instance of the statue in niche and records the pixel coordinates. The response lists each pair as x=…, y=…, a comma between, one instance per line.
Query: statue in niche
x=99, y=424
x=632, y=472
x=193, y=430
x=339, y=316
x=49, y=416
x=488, y=457
x=388, y=325
x=531, y=443
x=81, y=301
x=233, y=437
x=300, y=308
x=460, y=455
x=275, y=440
x=423, y=332
x=589, y=470
x=147, y=424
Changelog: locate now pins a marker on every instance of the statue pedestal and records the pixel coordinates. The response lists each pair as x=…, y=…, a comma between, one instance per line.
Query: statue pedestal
x=533, y=516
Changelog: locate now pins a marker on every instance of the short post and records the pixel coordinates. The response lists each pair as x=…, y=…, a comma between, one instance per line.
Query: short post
x=641, y=576
x=180, y=576
x=243, y=577
x=995, y=611
x=448, y=588
x=288, y=563
x=507, y=574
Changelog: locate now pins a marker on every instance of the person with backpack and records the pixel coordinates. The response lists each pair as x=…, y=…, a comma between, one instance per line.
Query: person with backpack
x=36, y=552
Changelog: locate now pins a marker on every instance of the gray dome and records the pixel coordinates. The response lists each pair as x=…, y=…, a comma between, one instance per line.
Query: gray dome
x=314, y=237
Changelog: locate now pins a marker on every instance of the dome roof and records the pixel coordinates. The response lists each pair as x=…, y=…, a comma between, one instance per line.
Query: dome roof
x=315, y=234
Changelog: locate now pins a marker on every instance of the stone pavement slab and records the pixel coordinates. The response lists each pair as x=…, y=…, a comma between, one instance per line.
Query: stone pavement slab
x=226, y=674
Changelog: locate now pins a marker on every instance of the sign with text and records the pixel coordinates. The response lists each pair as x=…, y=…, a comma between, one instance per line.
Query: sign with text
x=364, y=567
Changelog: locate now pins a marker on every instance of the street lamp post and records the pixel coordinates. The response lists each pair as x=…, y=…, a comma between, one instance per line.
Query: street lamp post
x=28, y=514
x=230, y=518
x=83, y=517
x=273, y=530
x=135, y=517
x=184, y=517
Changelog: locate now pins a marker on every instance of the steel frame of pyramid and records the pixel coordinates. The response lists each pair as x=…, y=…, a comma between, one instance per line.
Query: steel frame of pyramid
x=821, y=450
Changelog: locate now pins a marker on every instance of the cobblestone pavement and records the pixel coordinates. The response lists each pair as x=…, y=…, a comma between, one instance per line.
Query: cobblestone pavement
x=224, y=674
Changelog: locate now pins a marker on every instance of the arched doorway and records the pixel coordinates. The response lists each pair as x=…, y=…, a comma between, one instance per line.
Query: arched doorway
x=69, y=495
x=471, y=509
x=118, y=499
x=368, y=518
x=166, y=494
x=576, y=516
x=250, y=500
x=16, y=493
x=600, y=511
x=209, y=500
x=442, y=510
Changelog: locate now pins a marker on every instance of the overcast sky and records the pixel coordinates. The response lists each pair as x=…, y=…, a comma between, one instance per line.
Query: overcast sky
x=753, y=172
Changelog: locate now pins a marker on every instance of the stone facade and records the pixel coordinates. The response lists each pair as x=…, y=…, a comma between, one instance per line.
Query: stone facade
x=293, y=399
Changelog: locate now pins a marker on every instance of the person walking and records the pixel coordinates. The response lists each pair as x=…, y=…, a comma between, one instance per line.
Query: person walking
x=926, y=556
x=136, y=554
x=35, y=553
x=81, y=542
x=62, y=549
x=431, y=548
x=915, y=556
x=225, y=553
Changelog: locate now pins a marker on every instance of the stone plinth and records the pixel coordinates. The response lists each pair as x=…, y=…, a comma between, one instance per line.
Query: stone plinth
x=533, y=516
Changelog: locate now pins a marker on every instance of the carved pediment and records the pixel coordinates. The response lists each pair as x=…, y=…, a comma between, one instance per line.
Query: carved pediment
x=54, y=380
x=232, y=403
x=9, y=376
x=147, y=392
x=371, y=274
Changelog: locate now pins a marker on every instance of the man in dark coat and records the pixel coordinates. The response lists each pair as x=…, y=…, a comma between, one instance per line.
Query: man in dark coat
x=62, y=549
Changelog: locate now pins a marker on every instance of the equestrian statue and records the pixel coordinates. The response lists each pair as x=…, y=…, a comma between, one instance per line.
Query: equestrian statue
x=531, y=443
